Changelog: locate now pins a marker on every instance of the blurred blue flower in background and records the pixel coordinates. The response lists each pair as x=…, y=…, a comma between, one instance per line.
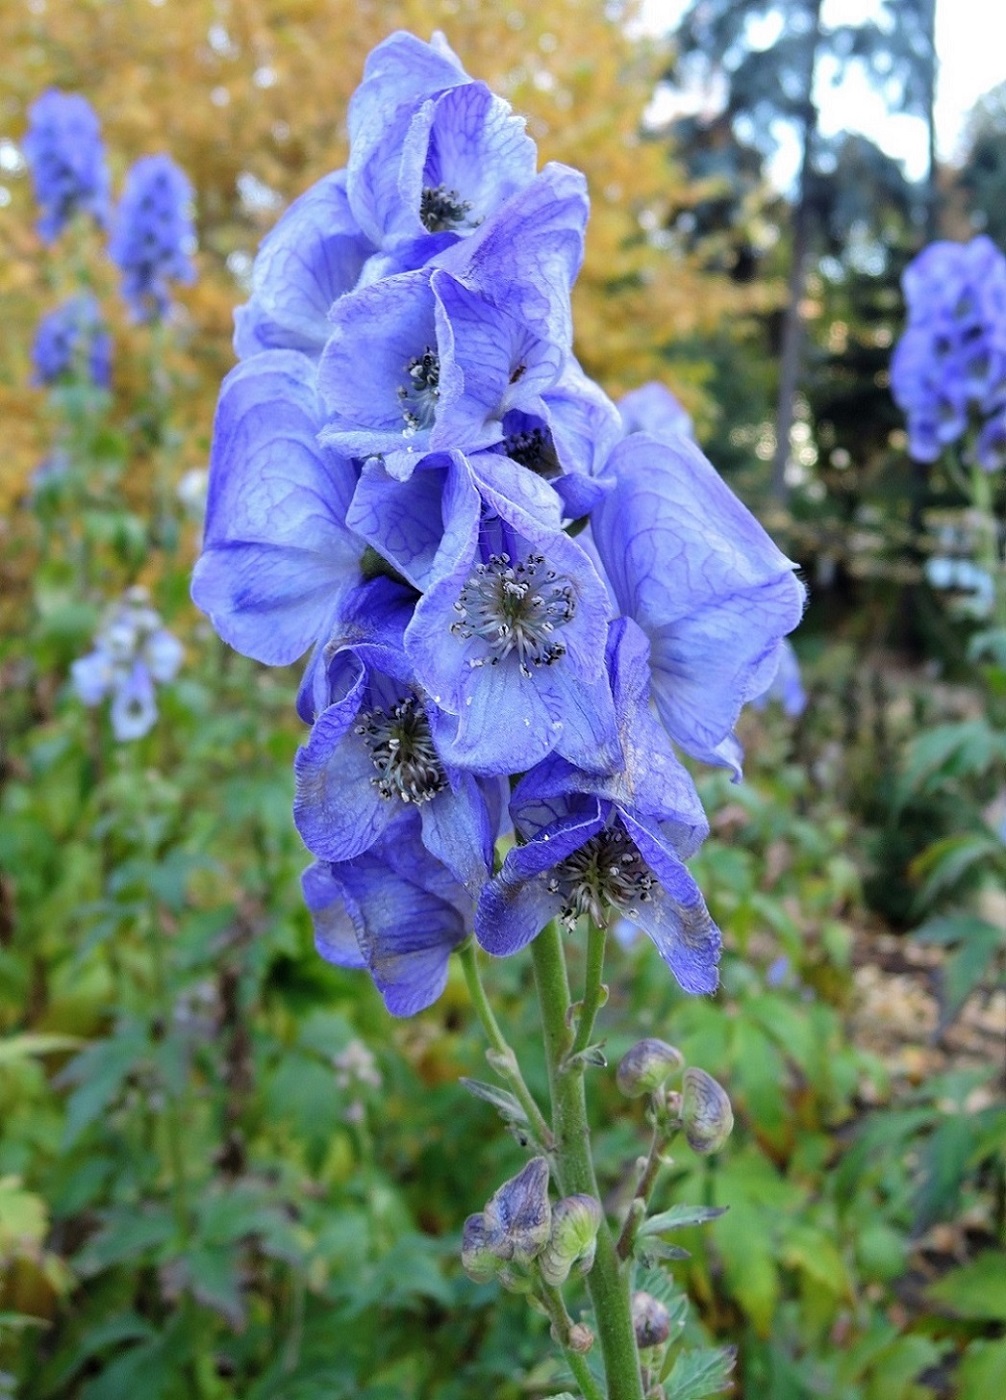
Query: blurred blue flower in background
x=66, y=158
x=132, y=650
x=72, y=342
x=153, y=235
x=787, y=685
x=949, y=368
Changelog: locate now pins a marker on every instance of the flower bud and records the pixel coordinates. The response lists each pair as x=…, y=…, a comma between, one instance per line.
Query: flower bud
x=646, y=1066
x=575, y=1223
x=650, y=1320
x=706, y=1114
x=478, y=1257
x=518, y=1217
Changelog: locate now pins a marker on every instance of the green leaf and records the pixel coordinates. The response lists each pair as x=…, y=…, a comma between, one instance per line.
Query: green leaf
x=945, y=862
x=508, y=1107
x=679, y=1216
x=704, y=1371
x=19, y=1047
x=212, y=1274
x=144, y=1370
x=978, y=944
x=948, y=751
x=745, y=1241
x=982, y=1372
x=125, y=1234
x=891, y=1376
x=945, y=1158
x=100, y=1071
x=23, y=1216
x=978, y=1290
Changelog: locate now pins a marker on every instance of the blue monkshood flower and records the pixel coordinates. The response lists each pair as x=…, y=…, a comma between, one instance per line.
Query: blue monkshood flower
x=66, y=157
x=72, y=342
x=372, y=753
x=653, y=409
x=609, y=846
x=132, y=650
x=153, y=235
x=453, y=347
x=786, y=686
x=278, y=561
x=509, y=635
x=432, y=153
x=313, y=256
x=990, y=445
x=396, y=911
x=694, y=568
x=950, y=364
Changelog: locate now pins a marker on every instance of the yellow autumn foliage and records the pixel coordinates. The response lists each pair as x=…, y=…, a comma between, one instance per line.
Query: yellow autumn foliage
x=249, y=97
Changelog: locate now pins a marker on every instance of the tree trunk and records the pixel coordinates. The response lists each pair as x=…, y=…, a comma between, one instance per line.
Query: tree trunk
x=792, y=332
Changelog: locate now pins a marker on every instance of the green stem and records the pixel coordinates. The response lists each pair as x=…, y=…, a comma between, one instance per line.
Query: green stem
x=504, y=1060
x=172, y=1118
x=608, y=1281
x=594, y=990
x=562, y=1324
x=636, y=1213
x=982, y=499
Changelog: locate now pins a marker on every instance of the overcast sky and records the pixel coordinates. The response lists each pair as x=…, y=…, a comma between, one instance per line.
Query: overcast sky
x=972, y=59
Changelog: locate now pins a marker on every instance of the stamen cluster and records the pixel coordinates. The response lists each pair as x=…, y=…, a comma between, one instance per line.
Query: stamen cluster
x=606, y=872
x=402, y=751
x=515, y=609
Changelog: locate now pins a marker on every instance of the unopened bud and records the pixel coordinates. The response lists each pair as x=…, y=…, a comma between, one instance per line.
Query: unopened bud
x=478, y=1257
x=706, y=1114
x=646, y=1066
x=650, y=1320
x=518, y=1217
x=575, y=1223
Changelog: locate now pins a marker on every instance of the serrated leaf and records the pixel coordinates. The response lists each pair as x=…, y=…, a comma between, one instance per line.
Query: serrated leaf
x=679, y=1216
x=705, y=1371
x=125, y=1234
x=504, y=1102
x=99, y=1072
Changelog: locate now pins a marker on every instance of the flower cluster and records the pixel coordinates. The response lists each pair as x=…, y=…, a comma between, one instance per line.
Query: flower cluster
x=72, y=342
x=949, y=368
x=517, y=605
x=153, y=235
x=131, y=651
x=67, y=160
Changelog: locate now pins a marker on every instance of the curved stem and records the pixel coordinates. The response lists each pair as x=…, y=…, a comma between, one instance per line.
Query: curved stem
x=504, y=1060
x=636, y=1213
x=594, y=991
x=562, y=1324
x=608, y=1281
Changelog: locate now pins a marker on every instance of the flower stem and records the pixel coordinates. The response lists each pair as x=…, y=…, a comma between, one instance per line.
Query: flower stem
x=562, y=1326
x=982, y=499
x=636, y=1213
x=608, y=1280
x=594, y=991
x=504, y=1060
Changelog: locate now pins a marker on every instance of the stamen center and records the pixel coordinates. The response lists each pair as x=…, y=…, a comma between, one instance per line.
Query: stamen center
x=402, y=751
x=606, y=870
x=419, y=395
x=515, y=609
x=535, y=450
x=442, y=210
